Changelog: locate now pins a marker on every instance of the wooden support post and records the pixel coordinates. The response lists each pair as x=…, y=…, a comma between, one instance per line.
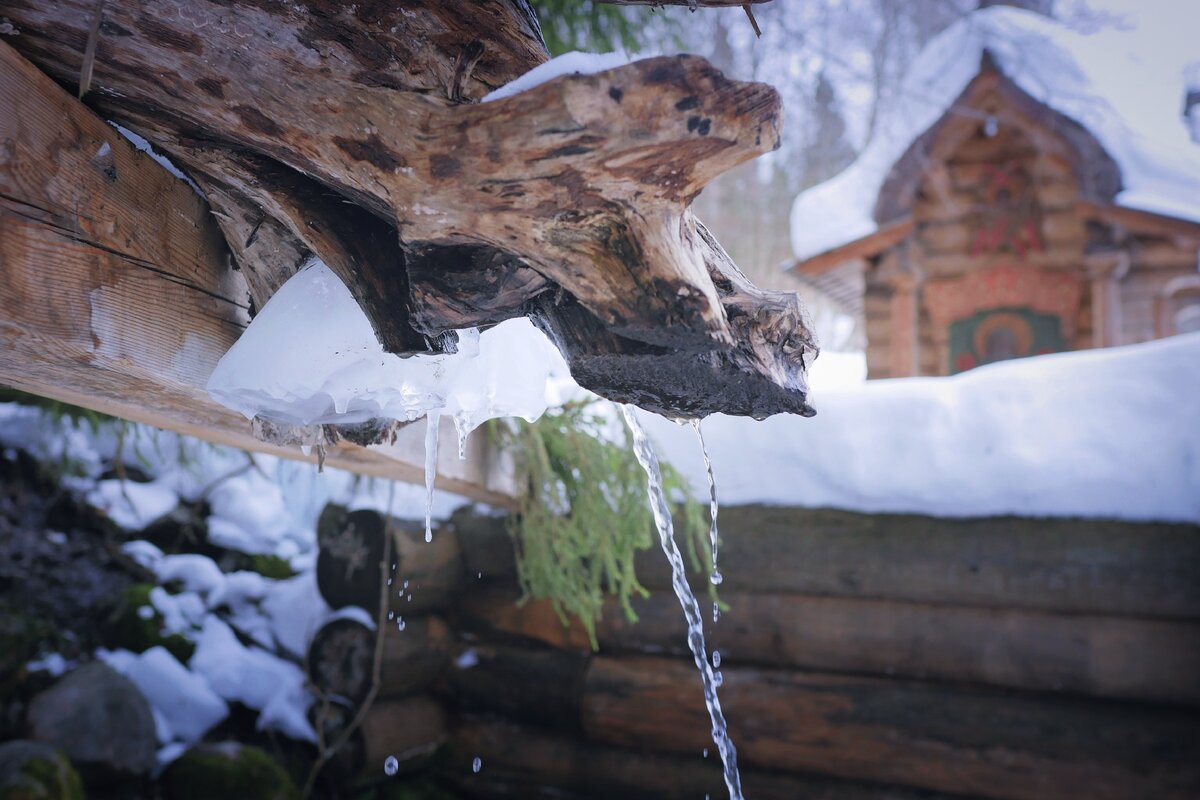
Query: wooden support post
x=117, y=293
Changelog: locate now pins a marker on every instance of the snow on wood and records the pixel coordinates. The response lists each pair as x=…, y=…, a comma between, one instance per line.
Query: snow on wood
x=1111, y=433
x=117, y=291
x=1125, y=86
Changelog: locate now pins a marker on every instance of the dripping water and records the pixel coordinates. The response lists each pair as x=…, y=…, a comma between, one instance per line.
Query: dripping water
x=712, y=506
x=463, y=431
x=691, y=609
x=431, y=455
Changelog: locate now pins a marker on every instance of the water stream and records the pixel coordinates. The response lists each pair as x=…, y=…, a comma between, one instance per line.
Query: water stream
x=691, y=608
x=712, y=503
x=431, y=456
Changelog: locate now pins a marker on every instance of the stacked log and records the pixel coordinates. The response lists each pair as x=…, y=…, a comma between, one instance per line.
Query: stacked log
x=1001, y=658
x=403, y=720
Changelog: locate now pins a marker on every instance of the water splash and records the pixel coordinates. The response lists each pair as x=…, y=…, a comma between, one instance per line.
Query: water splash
x=691, y=609
x=712, y=504
x=431, y=457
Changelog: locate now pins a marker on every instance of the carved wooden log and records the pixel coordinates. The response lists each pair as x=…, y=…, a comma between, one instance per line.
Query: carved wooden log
x=426, y=577
x=341, y=658
x=1119, y=657
x=581, y=185
x=520, y=762
x=901, y=732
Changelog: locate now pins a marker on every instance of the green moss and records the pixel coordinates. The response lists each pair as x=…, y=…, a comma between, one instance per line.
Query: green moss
x=134, y=629
x=227, y=770
x=271, y=566
x=585, y=514
x=45, y=777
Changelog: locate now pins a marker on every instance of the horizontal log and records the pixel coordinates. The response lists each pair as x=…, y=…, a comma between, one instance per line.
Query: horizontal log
x=116, y=288
x=426, y=575
x=941, y=738
x=341, y=658
x=526, y=762
x=410, y=730
x=1066, y=565
x=542, y=686
x=1078, y=654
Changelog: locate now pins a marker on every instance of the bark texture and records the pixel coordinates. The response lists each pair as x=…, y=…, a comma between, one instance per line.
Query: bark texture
x=352, y=132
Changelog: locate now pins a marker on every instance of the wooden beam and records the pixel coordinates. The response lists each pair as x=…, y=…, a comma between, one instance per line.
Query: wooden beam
x=1090, y=655
x=1134, y=219
x=117, y=290
x=887, y=235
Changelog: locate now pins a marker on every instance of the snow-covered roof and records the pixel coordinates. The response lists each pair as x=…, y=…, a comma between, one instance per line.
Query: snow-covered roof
x=1125, y=86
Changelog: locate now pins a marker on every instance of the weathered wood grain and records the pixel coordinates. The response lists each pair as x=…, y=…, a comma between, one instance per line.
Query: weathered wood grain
x=522, y=762
x=902, y=732
x=117, y=291
x=1088, y=655
x=584, y=181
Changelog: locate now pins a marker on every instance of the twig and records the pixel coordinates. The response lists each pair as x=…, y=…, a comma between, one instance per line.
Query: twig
x=325, y=753
x=753, y=22
x=89, y=51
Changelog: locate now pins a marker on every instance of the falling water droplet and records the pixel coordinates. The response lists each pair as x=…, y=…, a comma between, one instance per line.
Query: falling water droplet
x=712, y=504
x=718, y=678
x=644, y=451
x=431, y=454
x=391, y=766
x=391, y=615
x=716, y=611
x=706, y=752
x=477, y=764
x=400, y=624
x=716, y=659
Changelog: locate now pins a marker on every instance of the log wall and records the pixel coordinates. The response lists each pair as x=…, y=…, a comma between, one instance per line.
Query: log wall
x=863, y=656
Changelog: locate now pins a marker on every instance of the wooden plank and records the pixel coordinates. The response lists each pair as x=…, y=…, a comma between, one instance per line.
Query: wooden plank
x=117, y=293
x=1067, y=565
x=943, y=738
x=1140, y=221
x=888, y=234
x=1115, y=657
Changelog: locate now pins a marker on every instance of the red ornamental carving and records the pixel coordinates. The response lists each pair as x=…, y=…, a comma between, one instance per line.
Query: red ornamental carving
x=1005, y=285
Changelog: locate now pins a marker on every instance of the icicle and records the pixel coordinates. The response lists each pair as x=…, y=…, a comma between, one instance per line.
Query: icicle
x=431, y=455
x=712, y=504
x=691, y=609
x=463, y=431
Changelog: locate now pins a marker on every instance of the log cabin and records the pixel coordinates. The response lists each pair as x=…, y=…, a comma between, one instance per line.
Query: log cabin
x=1034, y=191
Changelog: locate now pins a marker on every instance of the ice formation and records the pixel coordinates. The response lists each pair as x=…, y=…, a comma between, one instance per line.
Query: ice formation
x=573, y=63
x=310, y=356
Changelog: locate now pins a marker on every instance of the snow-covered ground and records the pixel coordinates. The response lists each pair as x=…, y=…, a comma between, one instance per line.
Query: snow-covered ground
x=1101, y=433
x=269, y=506
x=1125, y=84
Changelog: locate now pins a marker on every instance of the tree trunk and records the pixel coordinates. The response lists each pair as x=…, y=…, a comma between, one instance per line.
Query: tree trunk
x=578, y=189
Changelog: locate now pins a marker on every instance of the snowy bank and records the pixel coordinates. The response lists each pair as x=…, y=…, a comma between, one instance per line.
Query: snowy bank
x=1125, y=86
x=1101, y=433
